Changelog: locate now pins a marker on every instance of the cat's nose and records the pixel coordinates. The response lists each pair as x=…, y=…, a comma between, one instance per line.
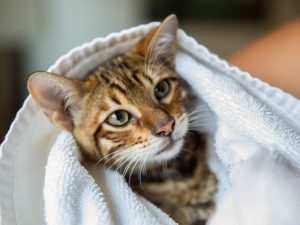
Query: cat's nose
x=165, y=127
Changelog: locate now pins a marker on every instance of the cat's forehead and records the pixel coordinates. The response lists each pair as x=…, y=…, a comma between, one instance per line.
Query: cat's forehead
x=129, y=80
x=145, y=66
x=133, y=71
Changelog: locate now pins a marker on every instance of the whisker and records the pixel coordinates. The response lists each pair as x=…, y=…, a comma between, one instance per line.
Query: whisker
x=137, y=162
x=131, y=161
x=117, y=162
x=144, y=172
x=123, y=155
x=161, y=64
x=105, y=157
x=159, y=68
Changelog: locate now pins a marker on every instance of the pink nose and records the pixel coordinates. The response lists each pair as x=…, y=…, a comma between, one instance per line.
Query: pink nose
x=165, y=127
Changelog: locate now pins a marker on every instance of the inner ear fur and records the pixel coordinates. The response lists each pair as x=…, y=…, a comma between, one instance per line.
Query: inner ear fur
x=58, y=96
x=161, y=43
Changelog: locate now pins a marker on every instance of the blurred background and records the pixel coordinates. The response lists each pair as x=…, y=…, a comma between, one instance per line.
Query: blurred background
x=34, y=33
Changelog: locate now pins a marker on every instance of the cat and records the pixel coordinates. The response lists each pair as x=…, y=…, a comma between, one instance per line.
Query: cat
x=131, y=114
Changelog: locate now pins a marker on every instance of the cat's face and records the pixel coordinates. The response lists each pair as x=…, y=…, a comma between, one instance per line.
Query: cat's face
x=133, y=110
x=128, y=112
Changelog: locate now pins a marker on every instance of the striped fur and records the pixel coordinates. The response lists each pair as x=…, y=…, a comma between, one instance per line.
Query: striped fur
x=124, y=84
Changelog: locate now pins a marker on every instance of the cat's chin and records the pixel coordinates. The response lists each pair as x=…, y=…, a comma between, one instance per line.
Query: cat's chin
x=168, y=152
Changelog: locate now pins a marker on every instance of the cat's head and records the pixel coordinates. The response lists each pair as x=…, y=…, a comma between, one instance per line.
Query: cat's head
x=129, y=110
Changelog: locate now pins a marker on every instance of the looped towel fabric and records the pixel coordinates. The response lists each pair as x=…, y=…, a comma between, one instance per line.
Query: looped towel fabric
x=254, y=149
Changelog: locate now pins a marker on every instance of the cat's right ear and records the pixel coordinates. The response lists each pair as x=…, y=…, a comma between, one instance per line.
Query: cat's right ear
x=58, y=97
x=160, y=44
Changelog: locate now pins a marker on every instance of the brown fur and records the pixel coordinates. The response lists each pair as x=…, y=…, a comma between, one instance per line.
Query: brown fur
x=185, y=188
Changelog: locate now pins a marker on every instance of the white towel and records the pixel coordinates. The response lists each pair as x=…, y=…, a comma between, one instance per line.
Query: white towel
x=254, y=150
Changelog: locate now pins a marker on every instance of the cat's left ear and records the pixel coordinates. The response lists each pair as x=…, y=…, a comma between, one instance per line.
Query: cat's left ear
x=161, y=43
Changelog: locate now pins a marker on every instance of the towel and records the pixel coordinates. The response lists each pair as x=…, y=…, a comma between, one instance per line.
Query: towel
x=254, y=149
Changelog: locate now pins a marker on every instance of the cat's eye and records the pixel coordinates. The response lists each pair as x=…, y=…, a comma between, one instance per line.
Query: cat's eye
x=118, y=118
x=162, y=89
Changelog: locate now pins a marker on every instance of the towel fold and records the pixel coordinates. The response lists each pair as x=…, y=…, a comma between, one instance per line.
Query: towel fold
x=73, y=196
x=254, y=149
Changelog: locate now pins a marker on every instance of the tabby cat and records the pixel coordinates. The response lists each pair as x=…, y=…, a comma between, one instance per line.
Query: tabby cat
x=130, y=114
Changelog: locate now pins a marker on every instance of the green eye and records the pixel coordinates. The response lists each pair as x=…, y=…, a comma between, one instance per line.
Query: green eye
x=162, y=89
x=118, y=118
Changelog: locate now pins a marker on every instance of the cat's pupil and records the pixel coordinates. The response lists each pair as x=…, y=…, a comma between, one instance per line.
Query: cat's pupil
x=162, y=89
x=118, y=118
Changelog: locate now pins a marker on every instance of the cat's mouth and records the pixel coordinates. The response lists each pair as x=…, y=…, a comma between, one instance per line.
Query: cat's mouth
x=167, y=151
x=169, y=146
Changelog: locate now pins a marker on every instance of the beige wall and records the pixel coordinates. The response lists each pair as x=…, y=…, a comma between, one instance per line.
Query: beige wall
x=68, y=23
x=43, y=30
x=46, y=29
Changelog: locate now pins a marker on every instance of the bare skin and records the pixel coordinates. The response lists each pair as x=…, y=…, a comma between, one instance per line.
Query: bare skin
x=274, y=58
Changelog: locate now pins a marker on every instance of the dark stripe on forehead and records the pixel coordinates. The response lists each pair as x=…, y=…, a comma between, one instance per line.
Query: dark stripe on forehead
x=148, y=78
x=105, y=77
x=115, y=100
x=125, y=65
x=136, y=79
x=118, y=87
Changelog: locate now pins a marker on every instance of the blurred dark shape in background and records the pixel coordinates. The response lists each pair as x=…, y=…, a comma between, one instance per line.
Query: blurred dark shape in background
x=35, y=33
x=10, y=94
x=209, y=9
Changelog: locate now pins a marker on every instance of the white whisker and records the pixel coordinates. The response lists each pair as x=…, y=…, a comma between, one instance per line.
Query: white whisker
x=137, y=162
x=131, y=161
